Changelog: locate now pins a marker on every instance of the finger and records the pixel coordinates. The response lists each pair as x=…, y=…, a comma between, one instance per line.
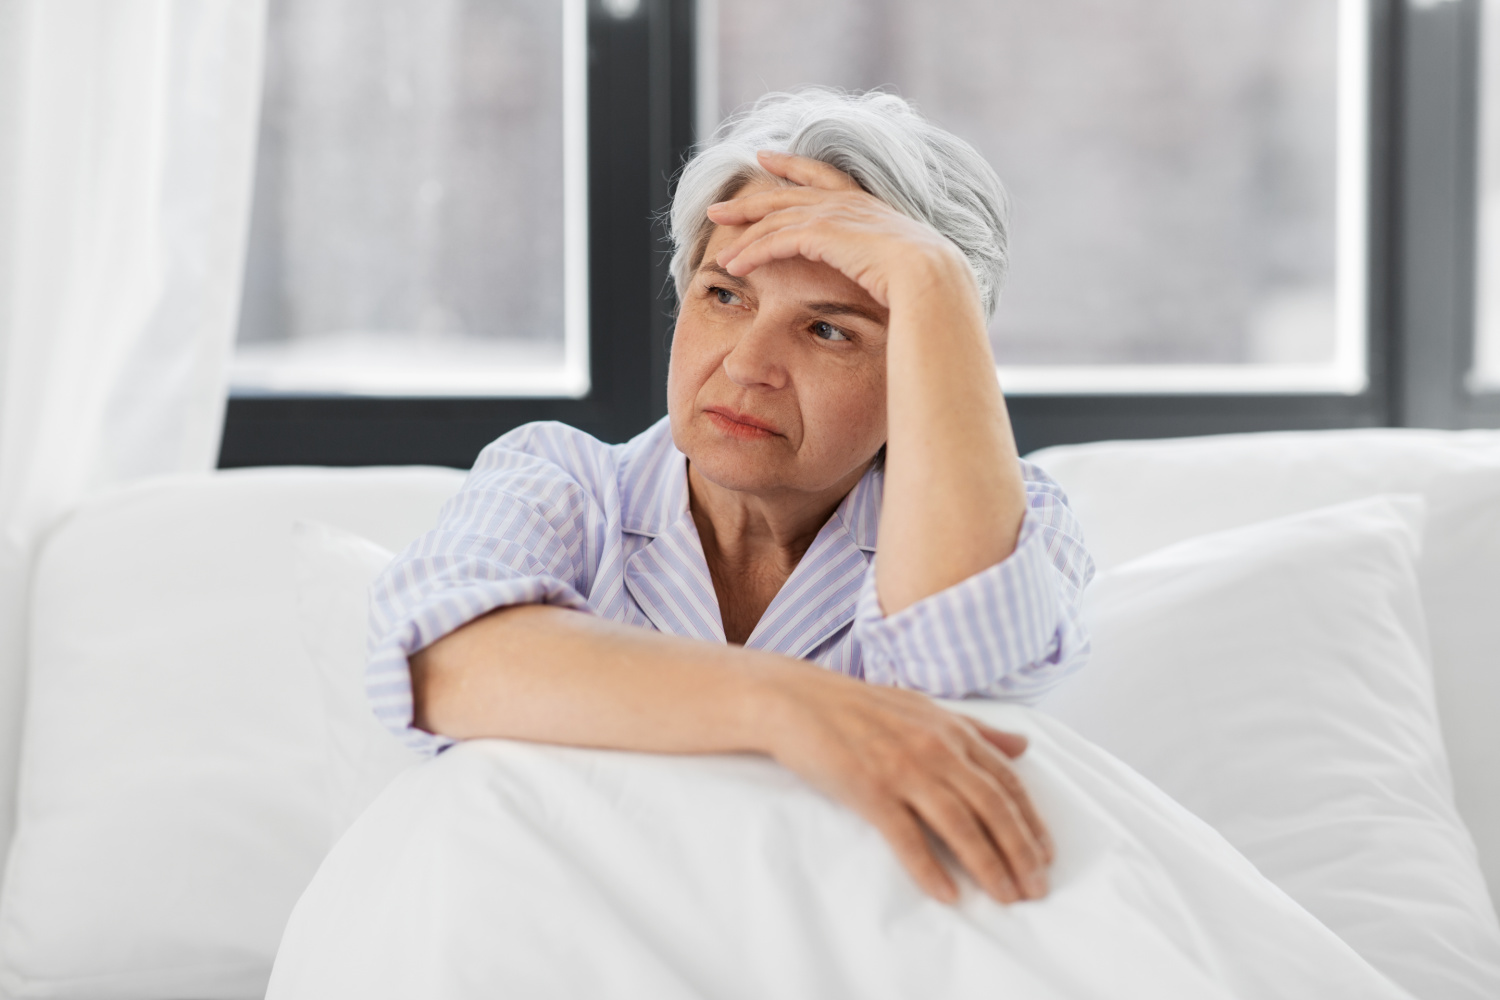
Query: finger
x=998, y=767
x=753, y=207
x=779, y=219
x=807, y=171
x=1006, y=827
x=1011, y=744
x=953, y=820
x=902, y=831
x=790, y=240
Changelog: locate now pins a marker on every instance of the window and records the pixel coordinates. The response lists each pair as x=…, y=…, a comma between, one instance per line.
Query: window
x=421, y=193
x=1230, y=215
x=443, y=332
x=1188, y=178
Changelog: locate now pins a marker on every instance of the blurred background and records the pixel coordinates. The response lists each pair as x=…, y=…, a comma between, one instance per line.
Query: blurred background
x=433, y=220
x=1175, y=166
x=408, y=216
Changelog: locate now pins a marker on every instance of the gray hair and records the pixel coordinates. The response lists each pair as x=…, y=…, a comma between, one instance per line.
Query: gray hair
x=875, y=137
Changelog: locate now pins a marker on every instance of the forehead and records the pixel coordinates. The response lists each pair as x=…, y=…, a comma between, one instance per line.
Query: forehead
x=795, y=277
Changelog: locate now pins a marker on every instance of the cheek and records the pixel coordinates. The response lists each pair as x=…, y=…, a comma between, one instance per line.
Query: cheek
x=692, y=360
x=848, y=412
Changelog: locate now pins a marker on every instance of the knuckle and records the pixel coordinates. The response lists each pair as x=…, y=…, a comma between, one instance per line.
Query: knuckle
x=927, y=744
x=1007, y=777
x=1022, y=805
x=990, y=870
x=997, y=811
x=907, y=776
x=1023, y=854
x=887, y=757
x=954, y=818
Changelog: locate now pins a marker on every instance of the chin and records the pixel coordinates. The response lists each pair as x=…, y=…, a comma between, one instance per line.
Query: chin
x=736, y=466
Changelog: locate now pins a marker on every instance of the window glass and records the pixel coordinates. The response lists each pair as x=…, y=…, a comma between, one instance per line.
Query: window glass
x=1486, y=371
x=418, y=215
x=1187, y=176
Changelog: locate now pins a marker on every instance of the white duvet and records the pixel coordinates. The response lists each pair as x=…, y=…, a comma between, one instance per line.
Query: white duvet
x=504, y=869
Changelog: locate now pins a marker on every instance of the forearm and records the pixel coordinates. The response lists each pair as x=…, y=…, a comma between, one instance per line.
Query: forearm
x=547, y=674
x=954, y=496
x=552, y=675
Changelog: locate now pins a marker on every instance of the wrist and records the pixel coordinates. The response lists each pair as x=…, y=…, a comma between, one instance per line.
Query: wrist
x=769, y=701
x=938, y=269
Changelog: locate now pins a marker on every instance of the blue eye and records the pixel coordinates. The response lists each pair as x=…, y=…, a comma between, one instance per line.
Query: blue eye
x=725, y=296
x=827, y=331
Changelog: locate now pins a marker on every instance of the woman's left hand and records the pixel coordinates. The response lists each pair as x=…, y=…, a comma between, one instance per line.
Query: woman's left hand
x=828, y=218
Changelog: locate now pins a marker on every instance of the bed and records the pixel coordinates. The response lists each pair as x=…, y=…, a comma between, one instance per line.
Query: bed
x=1294, y=678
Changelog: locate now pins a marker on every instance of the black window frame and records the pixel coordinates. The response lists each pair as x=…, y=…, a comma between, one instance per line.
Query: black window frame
x=1422, y=107
x=1438, y=215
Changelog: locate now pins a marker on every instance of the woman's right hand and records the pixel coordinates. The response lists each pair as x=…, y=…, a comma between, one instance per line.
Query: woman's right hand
x=535, y=672
x=901, y=761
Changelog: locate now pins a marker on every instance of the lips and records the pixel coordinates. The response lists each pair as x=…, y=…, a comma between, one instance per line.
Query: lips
x=739, y=425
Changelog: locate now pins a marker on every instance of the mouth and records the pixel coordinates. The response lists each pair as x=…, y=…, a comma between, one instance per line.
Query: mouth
x=739, y=425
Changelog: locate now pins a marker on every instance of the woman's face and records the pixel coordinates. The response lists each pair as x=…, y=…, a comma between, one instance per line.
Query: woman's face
x=777, y=381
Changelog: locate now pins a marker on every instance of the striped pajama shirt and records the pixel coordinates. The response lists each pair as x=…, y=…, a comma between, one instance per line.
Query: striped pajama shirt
x=552, y=515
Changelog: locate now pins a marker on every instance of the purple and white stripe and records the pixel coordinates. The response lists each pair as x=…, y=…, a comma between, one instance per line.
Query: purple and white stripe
x=549, y=514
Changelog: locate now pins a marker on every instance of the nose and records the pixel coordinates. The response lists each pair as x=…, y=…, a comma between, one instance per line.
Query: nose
x=757, y=359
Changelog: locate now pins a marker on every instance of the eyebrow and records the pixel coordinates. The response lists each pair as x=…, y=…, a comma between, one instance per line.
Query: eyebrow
x=733, y=279
x=876, y=315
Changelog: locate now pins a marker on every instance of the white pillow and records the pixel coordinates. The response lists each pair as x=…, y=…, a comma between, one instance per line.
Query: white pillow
x=1274, y=680
x=1136, y=496
x=174, y=773
x=334, y=572
x=1460, y=574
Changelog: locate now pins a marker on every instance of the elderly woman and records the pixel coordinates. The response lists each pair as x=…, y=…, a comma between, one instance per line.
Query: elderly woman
x=713, y=585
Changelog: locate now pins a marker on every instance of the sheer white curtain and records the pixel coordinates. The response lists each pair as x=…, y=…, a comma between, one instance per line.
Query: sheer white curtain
x=127, y=134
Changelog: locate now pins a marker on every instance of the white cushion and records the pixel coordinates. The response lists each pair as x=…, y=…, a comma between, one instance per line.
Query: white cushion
x=335, y=570
x=1273, y=679
x=1136, y=496
x=1460, y=574
x=174, y=786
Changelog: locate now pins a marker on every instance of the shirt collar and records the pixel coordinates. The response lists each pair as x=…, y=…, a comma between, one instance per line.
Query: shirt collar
x=653, y=482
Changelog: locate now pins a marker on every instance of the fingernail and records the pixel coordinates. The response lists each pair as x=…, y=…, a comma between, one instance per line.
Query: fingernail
x=717, y=204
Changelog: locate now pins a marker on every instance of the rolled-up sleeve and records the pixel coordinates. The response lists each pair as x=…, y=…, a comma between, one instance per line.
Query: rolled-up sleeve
x=1011, y=631
x=518, y=533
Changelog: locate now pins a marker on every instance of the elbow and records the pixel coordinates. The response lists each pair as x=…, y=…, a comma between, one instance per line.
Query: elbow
x=431, y=676
x=457, y=681
x=440, y=675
